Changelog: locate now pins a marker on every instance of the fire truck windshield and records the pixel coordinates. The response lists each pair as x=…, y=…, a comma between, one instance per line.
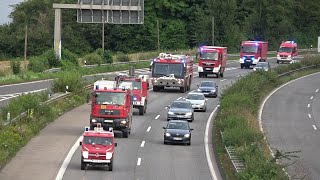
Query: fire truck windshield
x=249, y=49
x=164, y=69
x=285, y=49
x=209, y=55
x=95, y=140
x=135, y=84
x=116, y=98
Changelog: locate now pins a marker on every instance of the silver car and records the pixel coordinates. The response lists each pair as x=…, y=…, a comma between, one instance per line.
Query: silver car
x=180, y=110
x=198, y=101
x=262, y=66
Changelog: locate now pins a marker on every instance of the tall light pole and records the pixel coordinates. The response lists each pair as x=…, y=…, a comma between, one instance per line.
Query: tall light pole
x=25, y=47
x=213, y=31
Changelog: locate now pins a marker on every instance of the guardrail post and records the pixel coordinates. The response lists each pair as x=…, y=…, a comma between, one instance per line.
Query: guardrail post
x=8, y=117
x=67, y=88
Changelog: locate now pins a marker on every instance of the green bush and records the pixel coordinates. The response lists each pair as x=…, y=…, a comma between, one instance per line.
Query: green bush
x=68, y=66
x=121, y=57
x=73, y=80
x=50, y=56
x=69, y=56
x=15, y=67
x=105, y=55
x=38, y=64
x=92, y=59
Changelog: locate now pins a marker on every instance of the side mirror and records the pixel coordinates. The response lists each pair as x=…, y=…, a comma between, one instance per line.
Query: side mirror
x=198, y=85
x=191, y=129
x=206, y=99
x=217, y=86
x=164, y=128
x=80, y=143
x=168, y=106
x=115, y=144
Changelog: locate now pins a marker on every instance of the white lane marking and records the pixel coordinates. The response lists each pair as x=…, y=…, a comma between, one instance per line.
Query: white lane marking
x=222, y=80
x=317, y=90
x=157, y=117
x=206, y=144
x=311, y=97
x=264, y=102
x=149, y=128
x=308, y=105
x=9, y=96
x=314, y=127
x=139, y=162
x=142, y=143
x=18, y=84
x=309, y=115
x=179, y=98
x=66, y=161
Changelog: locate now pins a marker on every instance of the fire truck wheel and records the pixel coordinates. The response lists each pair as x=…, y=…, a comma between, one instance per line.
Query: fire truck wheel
x=277, y=61
x=182, y=89
x=110, y=166
x=221, y=75
x=141, y=110
x=83, y=165
x=125, y=133
x=145, y=107
x=155, y=88
x=200, y=74
x=241, y=66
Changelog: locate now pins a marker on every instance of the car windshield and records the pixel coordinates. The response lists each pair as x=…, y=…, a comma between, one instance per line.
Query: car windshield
x=262, y=65
x=135, y=84
x=182, y=105
x=178, y=125
x=110, y=98
x=93, y=140
x=285, y=49
x=207, y=84
x=164, y=69
x=209, y=55
x=195, y=97
x=249, y=49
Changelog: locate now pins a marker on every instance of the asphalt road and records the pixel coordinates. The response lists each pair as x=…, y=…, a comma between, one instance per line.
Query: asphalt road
x=291, y=121
x=42, y=157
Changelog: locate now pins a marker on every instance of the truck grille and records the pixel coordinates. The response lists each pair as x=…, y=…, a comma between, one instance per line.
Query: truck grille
x=283, y=56
x=109, y=112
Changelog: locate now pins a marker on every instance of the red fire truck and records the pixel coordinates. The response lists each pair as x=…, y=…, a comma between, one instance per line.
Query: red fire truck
x=111, y=105
x=170, y=70
x=287, y=52
x=212, y=60
x=97, y=148
x=140, y=90
x=252, y=52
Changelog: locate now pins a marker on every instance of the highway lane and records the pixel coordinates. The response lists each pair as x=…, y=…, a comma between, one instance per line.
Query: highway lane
x=157, y=161
x=291, y=121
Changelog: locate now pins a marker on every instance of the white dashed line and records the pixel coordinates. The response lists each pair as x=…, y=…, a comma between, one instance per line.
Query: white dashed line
x=317, y=90
x=139, y=162
x=309, y=115
x=157, y=117
x=222, y=80
x=308, y=105
x=311, y=97
x=179, y=98
x=149, y=128
x=142, y=143
x=314, y=127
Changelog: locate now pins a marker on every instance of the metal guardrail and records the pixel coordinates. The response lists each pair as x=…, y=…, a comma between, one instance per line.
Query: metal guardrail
x=296, y=70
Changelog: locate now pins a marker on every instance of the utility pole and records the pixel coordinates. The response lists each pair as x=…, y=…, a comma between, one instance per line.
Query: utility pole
x=25, y=47
x=103, y=35
x=212, y=30
x=158, y=29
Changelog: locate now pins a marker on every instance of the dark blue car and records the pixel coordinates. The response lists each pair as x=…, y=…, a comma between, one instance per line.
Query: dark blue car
x=208, y=88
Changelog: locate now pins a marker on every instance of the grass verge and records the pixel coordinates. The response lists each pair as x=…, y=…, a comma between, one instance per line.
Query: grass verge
x=237, y=119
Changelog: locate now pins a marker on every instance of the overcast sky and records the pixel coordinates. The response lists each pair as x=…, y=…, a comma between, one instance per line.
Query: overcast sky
x=5, y=10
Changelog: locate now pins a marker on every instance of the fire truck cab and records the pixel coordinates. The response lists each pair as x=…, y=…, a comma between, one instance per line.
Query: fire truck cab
x=288, y=50
x=174, y=71
x=97, y=148
x=212, y=60
x=140, y=85
x=252, y=52
x=112, y=106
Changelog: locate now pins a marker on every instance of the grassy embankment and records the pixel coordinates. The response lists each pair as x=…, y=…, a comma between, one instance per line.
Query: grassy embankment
x=237, y=120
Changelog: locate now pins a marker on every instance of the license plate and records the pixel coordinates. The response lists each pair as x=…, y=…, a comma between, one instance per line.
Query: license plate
x=180, y=116
x=249, y=60
x=208, y=69
x=108, y=121
x=176, y=138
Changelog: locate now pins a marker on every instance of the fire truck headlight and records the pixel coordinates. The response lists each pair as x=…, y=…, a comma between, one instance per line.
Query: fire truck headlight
x=135, y=98
x=85, y=154
x=108, y=155
x=179, y=82
x=123, y=122
x=93, y=120
x=155, y=81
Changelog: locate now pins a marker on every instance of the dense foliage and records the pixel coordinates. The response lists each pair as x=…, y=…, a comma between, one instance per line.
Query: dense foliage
x=183, y=24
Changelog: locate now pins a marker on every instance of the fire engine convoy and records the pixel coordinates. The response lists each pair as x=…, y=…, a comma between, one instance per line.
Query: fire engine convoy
x=287, y=51
x=170, y=70
x=112, y=106
x=140, y=89
x=252, y=52
x=97, y=148
x=212, y=60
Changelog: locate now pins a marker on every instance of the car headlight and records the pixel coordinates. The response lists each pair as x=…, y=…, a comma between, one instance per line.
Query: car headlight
x=168, y=134
x=278, y=55
x=123, y=122
x=170, y=113
x=93, y=120
x=199, y=90
x=202, y=104
x=108, y=155
x=187, y=135
x=213, y=90
x=254, y=69
x=85, y=154
x=266, y=69
x=289, y=56
x=189, y=113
